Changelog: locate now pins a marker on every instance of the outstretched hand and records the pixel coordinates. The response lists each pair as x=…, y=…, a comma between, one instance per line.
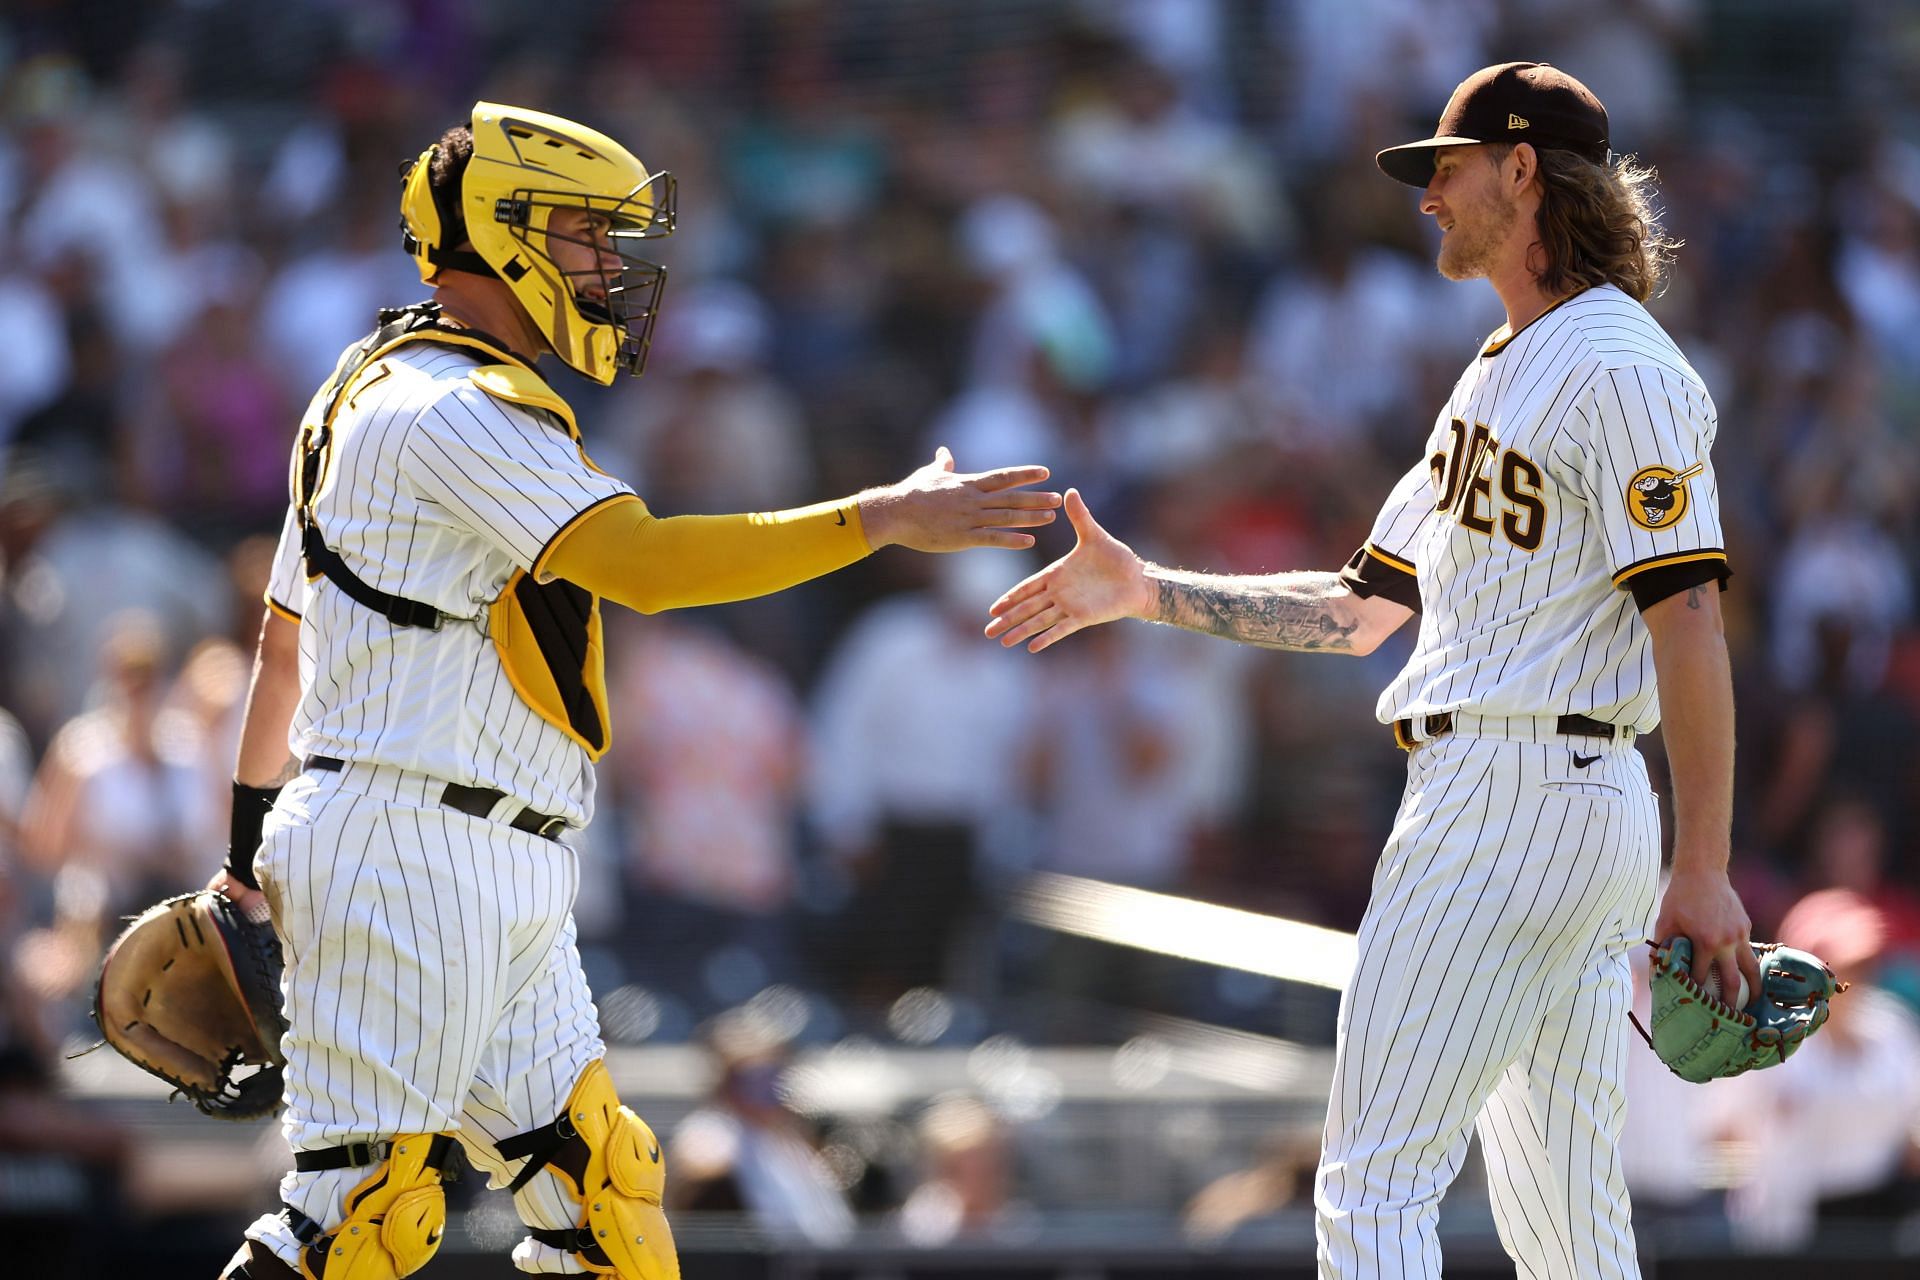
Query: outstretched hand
x=939, y=509
x=1100, y=580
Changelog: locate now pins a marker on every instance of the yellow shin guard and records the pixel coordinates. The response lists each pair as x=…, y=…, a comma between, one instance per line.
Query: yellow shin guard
x=609, y=1162
x=394, y=1219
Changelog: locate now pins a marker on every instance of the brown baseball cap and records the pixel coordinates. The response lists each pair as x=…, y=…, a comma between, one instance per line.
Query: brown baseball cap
x=1512, y=102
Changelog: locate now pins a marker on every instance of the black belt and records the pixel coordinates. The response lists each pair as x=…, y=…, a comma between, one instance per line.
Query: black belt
x=475, y=802
x=1441, y=723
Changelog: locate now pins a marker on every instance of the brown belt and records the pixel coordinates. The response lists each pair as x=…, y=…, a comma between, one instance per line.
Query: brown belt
x=475, y=802
x=1441, y=723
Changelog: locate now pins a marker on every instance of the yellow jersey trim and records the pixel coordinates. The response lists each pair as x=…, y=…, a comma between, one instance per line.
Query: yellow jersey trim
x=1390, y=560
x=282, y=610
x=1684, y=557
x=519, y=385
x=523, y=386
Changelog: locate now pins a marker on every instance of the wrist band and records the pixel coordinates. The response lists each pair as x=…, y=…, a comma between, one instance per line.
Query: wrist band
x=251, y=805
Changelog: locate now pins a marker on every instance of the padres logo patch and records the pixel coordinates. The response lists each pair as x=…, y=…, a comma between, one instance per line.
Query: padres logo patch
x=1657, y=496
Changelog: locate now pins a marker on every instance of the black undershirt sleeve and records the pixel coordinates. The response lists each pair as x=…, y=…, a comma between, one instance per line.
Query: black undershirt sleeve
x=1657, y=584
x=1367, y=575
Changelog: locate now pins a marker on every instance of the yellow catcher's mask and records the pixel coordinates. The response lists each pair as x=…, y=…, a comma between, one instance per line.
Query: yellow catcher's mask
x=527, y=165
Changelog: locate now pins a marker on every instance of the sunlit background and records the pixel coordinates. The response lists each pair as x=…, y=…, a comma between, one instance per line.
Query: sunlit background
x=928, y=959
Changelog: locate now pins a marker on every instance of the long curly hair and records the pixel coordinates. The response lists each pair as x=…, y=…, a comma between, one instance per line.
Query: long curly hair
x=1599, y=225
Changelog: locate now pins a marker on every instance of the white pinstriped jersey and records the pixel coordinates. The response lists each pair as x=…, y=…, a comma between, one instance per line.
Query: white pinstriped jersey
x=437, y=492
x=1571, y=457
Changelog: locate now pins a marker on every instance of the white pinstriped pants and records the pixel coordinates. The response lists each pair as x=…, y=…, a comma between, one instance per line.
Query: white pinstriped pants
x=1493, y=983
x=432, y=984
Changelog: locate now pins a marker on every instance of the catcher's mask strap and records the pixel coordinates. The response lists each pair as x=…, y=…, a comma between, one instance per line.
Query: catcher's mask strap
x=447, y=259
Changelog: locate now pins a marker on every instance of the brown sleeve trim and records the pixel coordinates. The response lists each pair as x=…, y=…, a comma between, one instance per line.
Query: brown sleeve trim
x=1373, y=572
x=1665, y=581
x=283, y=611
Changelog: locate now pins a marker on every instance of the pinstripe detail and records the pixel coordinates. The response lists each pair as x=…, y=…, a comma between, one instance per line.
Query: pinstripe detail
x=455, y=939
x=432, y=982
x=440, y=493
x=1490, y=985
x=1492, y=979
x=1551, y=1129
x=1495, y=346
x=1591, y=392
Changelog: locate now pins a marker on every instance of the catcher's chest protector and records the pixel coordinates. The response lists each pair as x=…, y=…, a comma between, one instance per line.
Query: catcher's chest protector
x=548, y=635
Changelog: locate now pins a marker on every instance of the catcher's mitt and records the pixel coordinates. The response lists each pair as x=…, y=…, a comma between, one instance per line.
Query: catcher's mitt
x=190, y=991
x=1700, y=1038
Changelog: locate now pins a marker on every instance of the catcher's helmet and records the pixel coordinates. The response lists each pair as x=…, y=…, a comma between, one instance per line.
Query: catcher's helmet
x=525, y=165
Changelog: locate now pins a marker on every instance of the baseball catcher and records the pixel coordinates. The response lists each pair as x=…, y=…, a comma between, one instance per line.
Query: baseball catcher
x=190, y=992
x=1702, y=1037
x=430, y=701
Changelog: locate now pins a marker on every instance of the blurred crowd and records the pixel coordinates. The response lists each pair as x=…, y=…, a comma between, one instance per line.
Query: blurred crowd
x=1141, y=241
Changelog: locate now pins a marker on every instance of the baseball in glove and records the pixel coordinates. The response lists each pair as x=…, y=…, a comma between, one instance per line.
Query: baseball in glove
x=1701, y=1038
x=190, y=992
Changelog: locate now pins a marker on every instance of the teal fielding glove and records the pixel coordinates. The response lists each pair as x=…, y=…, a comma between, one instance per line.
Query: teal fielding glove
x=1701, y=1039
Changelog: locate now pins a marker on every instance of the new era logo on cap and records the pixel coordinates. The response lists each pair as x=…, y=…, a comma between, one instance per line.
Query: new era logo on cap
x=1541, y=104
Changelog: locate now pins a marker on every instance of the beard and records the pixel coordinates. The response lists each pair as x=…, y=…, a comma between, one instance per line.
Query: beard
x=1468, y=251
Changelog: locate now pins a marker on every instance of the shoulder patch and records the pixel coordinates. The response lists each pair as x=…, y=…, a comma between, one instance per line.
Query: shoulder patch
x=1657, y=496
x=523, y=386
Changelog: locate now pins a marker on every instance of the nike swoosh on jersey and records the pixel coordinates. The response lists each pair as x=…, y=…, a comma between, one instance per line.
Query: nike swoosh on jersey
x=1581, y=762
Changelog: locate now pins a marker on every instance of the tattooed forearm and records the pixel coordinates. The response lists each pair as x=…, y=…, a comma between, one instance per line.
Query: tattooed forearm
x=1305, y=612
x=288, y=773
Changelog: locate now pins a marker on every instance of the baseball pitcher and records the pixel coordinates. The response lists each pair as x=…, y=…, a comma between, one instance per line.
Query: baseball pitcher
x=1559, y=538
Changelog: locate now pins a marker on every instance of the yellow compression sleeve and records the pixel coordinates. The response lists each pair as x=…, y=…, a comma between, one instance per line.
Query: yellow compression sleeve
x=623, y=552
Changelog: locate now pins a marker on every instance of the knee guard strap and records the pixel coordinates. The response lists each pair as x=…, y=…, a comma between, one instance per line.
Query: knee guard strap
x=395, y=1218
x=609, y=1162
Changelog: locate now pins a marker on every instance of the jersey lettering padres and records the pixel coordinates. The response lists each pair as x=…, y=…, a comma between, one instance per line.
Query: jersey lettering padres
x=435, y=491
x=1571, y=458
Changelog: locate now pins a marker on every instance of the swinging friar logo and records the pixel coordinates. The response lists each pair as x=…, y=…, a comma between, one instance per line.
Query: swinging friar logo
x=1657, y=496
